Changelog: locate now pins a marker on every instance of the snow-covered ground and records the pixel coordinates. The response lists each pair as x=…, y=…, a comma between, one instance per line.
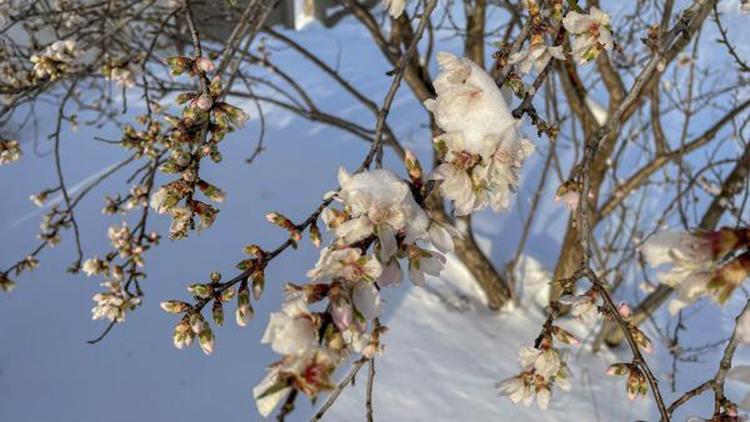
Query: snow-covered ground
x=444, y=350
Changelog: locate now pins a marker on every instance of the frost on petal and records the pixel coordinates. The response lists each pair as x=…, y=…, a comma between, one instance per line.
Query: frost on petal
x=344, y=178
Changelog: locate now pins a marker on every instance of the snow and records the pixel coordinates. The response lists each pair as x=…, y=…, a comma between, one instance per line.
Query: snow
x=443, y=364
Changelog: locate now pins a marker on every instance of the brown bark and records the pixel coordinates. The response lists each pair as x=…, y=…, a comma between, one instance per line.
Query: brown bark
x=475, y=20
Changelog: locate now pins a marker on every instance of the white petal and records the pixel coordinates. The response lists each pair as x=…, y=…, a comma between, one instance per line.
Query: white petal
x=388, y=243
x=267, y=404
x=391, y=275
x=441, y=238
x=367, y=300
x=575, y=22
x=542, y=398
x=354, y=230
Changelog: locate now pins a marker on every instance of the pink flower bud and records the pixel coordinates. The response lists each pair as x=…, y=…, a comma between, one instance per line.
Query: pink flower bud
x=204, y=102
x=204, y=64
x=624, y=310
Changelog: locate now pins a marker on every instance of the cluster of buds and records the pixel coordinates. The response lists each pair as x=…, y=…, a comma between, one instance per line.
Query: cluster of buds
x=704, y=263
x=193, y=66
x=30, y=263
x=55, y=60
x=593, y=33
x=481, y=151
x=637, y=383
x=193, y=325
x=10, y=151
x=204, y=122
x=13, y=79
x=6, y=284
x=542, y=368
x=144, y=142
x=127, y=245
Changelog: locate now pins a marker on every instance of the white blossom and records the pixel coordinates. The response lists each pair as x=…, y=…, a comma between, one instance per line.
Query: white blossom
x=309, y=371
x=583, y=307
x=114, y=303
x=395, y=7
x=292, y=331
x=690, y=263
x=536, y=56
x=593, y=33
x=422, y=262
x=517, y=390
x=379, y=203
x=55, y=59
x=482, y=150
x=347, y=263
x=94, y=266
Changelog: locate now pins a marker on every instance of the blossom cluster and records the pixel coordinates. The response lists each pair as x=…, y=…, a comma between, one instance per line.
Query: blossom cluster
x=10, y=151
x=379, y=213
x=118, y=298
x=55, y=60
x=481, y=150
x=541, y=369
x=593, y=33
x=700, y=264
